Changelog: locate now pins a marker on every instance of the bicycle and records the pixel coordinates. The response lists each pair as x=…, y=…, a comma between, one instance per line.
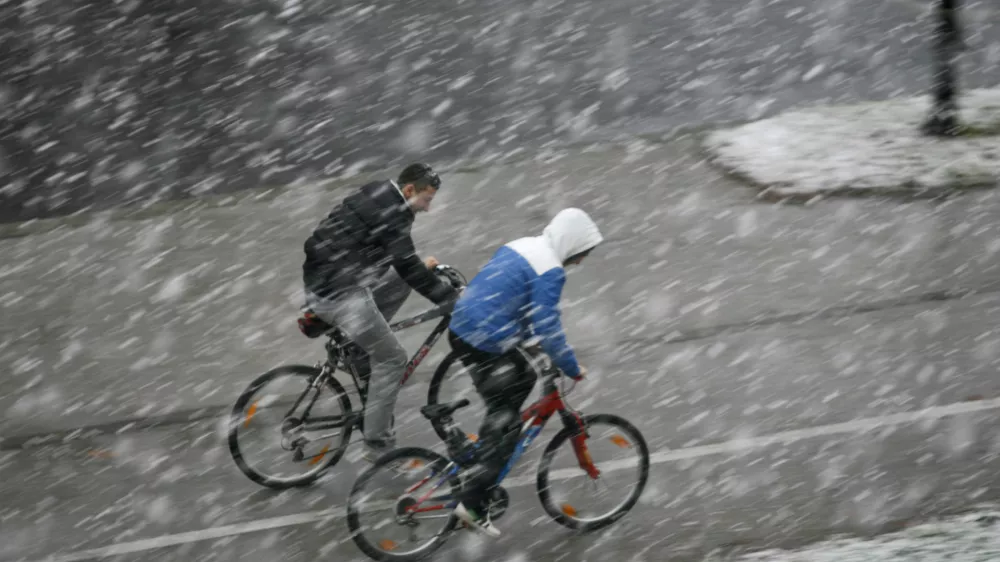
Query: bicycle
x=318, y=453
x=417, y=504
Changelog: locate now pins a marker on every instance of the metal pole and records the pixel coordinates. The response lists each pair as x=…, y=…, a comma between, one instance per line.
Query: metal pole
x=943, y=120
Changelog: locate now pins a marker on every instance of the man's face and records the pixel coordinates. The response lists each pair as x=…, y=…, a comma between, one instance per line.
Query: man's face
x=420, y=201
x=578, y=259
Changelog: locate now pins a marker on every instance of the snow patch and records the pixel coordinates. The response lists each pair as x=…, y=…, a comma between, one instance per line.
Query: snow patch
x=873, y=146
x=964, y=538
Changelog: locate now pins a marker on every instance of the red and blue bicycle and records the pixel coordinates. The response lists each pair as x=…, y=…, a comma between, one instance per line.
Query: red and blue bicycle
x=402, y=507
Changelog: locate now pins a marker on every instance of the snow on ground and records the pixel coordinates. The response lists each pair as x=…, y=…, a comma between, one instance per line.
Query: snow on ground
x=868, y=147
x=973, y=537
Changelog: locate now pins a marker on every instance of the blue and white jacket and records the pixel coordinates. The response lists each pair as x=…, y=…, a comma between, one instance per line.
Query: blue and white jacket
x=516, y=294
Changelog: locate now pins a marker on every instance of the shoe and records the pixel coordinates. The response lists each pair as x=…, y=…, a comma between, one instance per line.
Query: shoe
x=476, y=522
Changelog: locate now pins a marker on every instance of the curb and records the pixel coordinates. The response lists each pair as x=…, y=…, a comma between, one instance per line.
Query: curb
x=771, y=194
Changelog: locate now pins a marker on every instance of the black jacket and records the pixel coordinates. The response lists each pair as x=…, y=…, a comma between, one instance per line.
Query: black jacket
x=368, y=232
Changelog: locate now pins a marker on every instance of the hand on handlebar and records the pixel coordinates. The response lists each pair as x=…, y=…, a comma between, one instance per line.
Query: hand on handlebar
x=431, y=262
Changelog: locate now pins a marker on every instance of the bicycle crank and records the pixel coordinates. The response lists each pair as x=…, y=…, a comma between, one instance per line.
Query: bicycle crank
x=499, y=502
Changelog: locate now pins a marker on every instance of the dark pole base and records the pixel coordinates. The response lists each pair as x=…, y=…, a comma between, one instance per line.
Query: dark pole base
x=942, y=125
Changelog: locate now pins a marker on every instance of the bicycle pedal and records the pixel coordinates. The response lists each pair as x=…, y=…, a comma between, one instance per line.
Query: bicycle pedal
x=298, y=456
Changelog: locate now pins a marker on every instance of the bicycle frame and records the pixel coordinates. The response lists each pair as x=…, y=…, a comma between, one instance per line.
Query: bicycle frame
x=319, y=423
x=429, y=342
x=533, y=419
x=537, y=415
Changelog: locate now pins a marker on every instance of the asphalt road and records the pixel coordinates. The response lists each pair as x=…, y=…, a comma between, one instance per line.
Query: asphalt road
x=795, y=370
x=174, y=494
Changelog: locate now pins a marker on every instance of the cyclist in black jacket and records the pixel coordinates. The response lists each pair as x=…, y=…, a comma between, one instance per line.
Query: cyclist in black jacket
x=359, y=269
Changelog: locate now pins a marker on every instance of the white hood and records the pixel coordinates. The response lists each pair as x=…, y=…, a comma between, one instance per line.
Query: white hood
x=570, y=232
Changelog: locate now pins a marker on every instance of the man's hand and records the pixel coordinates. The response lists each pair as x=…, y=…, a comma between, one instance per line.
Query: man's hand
x=431, y=262
x=582, y=375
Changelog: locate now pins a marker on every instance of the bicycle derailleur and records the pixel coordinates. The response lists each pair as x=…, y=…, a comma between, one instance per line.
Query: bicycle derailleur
x=292, y=438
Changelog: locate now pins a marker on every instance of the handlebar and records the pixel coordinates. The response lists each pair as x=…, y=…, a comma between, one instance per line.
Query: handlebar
x=550, y=374
x=454, y=276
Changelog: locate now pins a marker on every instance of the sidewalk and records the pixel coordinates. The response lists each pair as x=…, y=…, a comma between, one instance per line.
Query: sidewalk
x=122, y=319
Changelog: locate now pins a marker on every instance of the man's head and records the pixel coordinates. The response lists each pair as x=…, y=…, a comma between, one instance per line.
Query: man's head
x=577, y=259
x=419, y=183
x=573, y=235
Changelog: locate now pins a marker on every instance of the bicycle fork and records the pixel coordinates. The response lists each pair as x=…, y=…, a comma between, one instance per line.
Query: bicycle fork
x=575, y=423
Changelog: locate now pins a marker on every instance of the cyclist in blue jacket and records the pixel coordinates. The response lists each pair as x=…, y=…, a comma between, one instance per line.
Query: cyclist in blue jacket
x=513, y=298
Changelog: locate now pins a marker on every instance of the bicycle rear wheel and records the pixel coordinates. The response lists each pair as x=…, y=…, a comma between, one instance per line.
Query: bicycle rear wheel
x=451, y=382
x=266, y=425
x=607, y=434
x=406, y=491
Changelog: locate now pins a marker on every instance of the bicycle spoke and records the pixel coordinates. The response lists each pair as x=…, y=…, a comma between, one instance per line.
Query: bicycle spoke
x=389, y=512
x=270, y=445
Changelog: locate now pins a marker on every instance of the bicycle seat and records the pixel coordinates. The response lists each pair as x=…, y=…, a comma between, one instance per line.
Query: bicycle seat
x=437, y=411
x=312, y=326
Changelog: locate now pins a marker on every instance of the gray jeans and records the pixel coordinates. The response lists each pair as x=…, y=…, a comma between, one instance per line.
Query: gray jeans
x=364, y=314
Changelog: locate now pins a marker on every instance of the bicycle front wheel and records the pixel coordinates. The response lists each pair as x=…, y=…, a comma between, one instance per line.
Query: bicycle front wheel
x=287, y=427
x=402, y=508
x=584, y=501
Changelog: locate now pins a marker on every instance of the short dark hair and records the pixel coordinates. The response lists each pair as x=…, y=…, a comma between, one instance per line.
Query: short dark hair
x=420, y=175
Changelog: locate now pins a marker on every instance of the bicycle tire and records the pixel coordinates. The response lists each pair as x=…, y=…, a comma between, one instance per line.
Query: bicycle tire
x=437, y=461
x=237, y=412
x=545, y=462
x=434, y=390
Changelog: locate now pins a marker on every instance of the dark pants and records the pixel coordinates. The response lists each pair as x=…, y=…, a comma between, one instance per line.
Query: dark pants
x=504, y=382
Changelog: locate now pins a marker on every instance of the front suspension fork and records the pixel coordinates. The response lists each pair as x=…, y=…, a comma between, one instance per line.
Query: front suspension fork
x=579, y=441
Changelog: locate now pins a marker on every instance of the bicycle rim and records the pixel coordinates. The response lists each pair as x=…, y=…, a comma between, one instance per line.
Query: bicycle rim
x=575, y=499
x=266, y=443
x=377, y=517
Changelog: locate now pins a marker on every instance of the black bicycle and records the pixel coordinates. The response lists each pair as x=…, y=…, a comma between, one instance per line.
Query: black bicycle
x=303, y=414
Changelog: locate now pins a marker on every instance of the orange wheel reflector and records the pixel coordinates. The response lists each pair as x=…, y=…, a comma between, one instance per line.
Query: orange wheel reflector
x=569, y=510
x=414, y=464
x=250, y=413
x=473, y=437
x=386, y=544
x=315, y=460
x=621, y=442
